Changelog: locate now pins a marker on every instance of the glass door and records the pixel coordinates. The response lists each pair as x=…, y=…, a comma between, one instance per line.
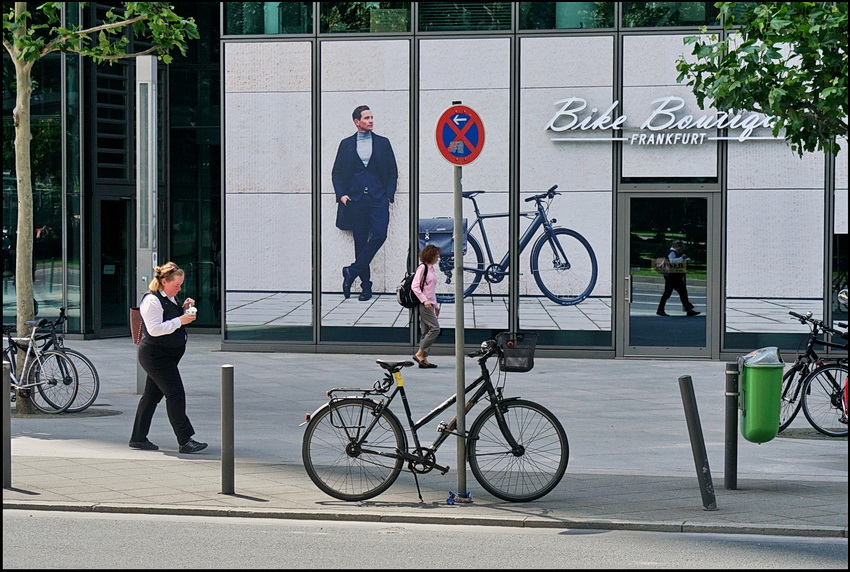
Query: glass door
x=669, y=247
x=113, y=266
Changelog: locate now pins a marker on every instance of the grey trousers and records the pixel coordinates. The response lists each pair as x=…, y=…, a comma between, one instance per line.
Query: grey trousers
x=430, y=328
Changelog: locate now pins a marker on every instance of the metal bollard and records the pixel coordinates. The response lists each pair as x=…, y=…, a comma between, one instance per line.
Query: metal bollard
x=7, y=428
x=730, y=467
x=227, y=484
x=686, y=387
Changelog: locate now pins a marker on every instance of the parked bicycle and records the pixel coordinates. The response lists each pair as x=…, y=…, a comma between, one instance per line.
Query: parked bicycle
x=88, y=380
x=48, y=378
x=562, y=261
x=354, y=446
x=816, y=385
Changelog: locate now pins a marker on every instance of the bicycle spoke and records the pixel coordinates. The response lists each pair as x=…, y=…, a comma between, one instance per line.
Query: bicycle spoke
x=823, y=400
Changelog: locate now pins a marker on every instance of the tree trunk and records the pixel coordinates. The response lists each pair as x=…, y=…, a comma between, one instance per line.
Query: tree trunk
x=23, y=258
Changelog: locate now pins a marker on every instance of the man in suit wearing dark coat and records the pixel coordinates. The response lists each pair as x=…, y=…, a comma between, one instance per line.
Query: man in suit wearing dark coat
x=365, y=176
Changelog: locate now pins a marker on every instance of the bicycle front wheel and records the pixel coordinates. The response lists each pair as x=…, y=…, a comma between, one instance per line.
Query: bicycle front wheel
x=54, y=379
x=824, y=399
x=351, y=451
x=564, y=266
x=790, y=401
x=529, y=472
x=88, y=381
x=472, y=271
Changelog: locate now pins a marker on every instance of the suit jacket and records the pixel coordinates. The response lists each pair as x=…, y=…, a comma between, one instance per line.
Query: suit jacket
x=351, y=178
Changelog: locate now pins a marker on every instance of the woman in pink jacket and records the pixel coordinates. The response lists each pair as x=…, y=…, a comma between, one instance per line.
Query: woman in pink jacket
x=428, y=308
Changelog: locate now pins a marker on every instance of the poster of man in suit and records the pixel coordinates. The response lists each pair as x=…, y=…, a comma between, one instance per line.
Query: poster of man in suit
x=365, y=178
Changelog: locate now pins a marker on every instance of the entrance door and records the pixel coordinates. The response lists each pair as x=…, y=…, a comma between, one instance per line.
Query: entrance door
x=113, y=266
x=669, y=245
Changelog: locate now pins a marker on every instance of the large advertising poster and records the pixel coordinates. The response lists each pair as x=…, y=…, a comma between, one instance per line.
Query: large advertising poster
x=365, y=196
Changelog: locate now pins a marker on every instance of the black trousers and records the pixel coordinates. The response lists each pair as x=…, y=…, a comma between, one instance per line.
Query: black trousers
x=160, y=363
x=675, y=282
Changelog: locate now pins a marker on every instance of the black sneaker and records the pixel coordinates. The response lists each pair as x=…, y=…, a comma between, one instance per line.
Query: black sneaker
x=143, y=445
x=693, y=313
x=192, y=446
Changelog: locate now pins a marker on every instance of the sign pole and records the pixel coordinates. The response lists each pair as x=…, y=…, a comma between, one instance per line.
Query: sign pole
x=460, y=139
x=459, y=331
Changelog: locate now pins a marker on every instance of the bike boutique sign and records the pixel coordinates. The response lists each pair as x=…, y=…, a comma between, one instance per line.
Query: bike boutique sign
x=664, y=125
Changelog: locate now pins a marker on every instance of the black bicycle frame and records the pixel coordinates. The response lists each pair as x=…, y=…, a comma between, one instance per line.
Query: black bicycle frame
x=486, y=388
x=540, y=219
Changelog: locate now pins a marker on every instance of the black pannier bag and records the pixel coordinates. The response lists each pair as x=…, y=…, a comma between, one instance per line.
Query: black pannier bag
x=438, y=231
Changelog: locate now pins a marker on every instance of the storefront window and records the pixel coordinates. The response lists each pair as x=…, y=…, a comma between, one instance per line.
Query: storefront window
x=464, y=16
x=565, y=15
x=268, y=18
x=666, y=14
x=46, y=149
x=364, y=17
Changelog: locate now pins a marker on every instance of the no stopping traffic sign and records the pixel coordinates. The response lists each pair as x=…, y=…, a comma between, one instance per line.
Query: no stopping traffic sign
x=460, y=135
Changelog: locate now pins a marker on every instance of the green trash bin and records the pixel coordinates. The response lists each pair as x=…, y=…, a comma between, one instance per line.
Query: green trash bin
x=760, y=394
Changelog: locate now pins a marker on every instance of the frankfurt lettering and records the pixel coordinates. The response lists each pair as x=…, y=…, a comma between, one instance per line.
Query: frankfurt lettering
x=676, y=128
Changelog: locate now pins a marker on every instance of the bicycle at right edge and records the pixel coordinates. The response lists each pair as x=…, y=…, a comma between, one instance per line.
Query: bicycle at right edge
x=354, y=446
x=817, y=385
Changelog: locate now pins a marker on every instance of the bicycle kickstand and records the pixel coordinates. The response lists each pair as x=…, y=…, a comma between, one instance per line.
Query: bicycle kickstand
x=418, y=490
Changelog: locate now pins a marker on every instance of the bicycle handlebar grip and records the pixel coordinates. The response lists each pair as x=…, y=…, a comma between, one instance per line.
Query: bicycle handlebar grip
x=796, y=315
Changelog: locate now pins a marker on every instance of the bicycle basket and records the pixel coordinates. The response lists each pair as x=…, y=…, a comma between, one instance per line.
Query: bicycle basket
x=517, y=351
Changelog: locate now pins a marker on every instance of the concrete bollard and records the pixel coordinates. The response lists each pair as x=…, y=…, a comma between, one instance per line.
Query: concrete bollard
x=689, y=401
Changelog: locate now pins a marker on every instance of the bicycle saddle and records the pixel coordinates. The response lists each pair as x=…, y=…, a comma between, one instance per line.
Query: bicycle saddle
x=393, y=366
x=470, y=194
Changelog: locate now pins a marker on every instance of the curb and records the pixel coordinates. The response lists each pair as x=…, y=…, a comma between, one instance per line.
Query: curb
x=522, y=522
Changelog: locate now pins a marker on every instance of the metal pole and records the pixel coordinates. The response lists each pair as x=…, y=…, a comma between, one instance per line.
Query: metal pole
x=227, y=484
x=7, y=428
x=730, y=467
x=459, y=329
x=686, y=387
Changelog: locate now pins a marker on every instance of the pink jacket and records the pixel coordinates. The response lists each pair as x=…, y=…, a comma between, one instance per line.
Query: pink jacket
x=429, y=291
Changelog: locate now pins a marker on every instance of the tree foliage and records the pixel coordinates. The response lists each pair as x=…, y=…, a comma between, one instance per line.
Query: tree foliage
x=787, y=60
x=31, y=32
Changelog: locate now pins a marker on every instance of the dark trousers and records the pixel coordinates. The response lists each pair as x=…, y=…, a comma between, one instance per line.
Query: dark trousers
x=160, y=363
x=371, y=218
x=675, y=282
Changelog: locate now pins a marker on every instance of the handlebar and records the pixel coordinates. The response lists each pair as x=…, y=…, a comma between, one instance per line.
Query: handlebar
x=547, y=195
x=819, y=324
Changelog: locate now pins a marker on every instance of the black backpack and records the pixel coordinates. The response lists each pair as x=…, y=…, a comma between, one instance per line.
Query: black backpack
x=404, y=292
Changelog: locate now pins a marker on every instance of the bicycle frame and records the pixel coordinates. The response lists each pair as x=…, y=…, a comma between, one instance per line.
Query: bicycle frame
x=444, y=430
x=539, y=219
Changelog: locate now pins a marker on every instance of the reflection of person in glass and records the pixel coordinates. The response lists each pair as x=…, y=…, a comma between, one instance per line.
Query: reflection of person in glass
x=675, y=279
x=364, y=177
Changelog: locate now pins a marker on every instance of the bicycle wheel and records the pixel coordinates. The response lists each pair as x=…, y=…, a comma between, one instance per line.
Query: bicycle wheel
x=525, y=475
x=344, y=461
x=564, y=266
x=473, y=270
x=824, y=399
x=88, y=381
x=790, y=402
x=54, y=379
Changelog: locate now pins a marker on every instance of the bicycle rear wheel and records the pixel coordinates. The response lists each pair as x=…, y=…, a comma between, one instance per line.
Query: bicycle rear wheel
x=824, y=399
x=54, y=379
x=88, y=385
x=564, y=266
x=345, y=461
x=790, y=401
x=526, y=474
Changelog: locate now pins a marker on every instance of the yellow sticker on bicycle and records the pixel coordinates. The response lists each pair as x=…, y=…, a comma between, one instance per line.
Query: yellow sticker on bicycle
x=398, y=380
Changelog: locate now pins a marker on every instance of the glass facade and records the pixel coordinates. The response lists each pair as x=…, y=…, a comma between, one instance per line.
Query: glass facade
x=271, y=236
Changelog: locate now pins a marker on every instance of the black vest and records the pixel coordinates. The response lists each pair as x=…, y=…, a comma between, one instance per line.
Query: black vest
x=170, y=310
